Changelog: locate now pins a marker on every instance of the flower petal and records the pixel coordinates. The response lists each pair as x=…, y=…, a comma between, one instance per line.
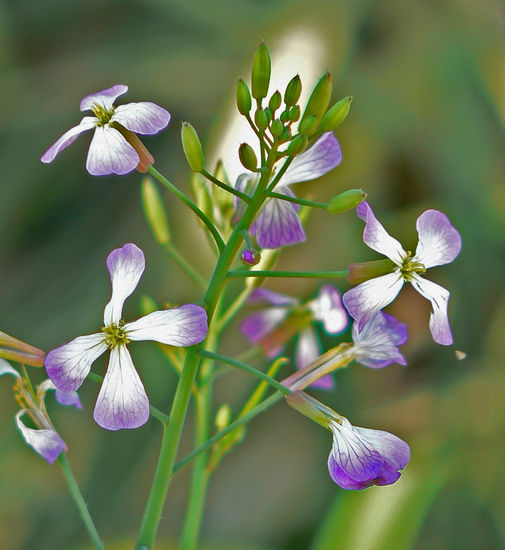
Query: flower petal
x=258, y=325
x=104, y=98
x=366, y=299
x=69, y=364
x=125, y=265
x=87, y=123
x=439, y=242
x=181, y=326
x=327, y=307
x=308, y=349
x=47, y=443
x=5, y=368
x=68, y=398
x=110, y=153
x=278, y=224
x=377, y=238
x=122, y=401
x=322, y=157
x=439, y=298
x=262, y=295
x=142, y=118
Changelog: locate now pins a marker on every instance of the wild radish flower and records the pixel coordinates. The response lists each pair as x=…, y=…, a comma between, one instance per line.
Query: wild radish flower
x=359, y=457
x=43, y=439
x=114, y=149
x=273, y=327
x=122, y=401
x=277, y=223
x=439, y=243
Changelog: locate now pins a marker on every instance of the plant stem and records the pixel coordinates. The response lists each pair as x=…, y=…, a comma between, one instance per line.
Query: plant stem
x=79, y=501
x=296, y=274
x=296, y=200
x=226, y=187
x=233, y=309
x=185, y=265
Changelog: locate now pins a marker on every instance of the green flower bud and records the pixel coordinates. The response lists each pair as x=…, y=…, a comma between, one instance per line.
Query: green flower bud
x=154, y=211
x=223, y=416
x=247, y=157
x=286, y=134
x=284, y=116
x=296, y=145
x=275, y=101
x=192, y=147
x=243, y=98
x=261, y=119
x=346, y=201
x=261, y=72
x=319, y=99
x=293, y=91
x=308, y=125
x=294, y=113
x=277, y=128
x=336, y=115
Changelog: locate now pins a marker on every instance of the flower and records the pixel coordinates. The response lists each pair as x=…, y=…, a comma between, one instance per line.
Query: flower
x=114, y=149
x=274, y=326
x=277, y=223
x=439, y=243
x=43, y=439
x=122, y=401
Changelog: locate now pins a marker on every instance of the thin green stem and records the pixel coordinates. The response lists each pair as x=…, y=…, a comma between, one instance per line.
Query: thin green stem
x=295, y=274
x=226, y=187
x=234, y=308
x=279, y=174
x=296, y=200
x=188, y=202
x=79, y=501
x=185, y=265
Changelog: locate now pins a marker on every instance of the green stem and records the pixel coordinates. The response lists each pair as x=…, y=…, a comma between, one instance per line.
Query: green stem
x=185, y=265
x=188, y=202
x=79, y=501
x=226, y=187
x=296, y=200
x=295, y=274
x=233, y=309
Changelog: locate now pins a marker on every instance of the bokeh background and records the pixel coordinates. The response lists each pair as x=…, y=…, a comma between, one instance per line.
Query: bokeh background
x=426, y=130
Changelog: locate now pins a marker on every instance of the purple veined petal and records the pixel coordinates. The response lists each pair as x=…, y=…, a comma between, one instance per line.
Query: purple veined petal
x=439, y=242
x=47, y=443
x=262, y=295
x=366, y=299
x=245, y=182
x=308, y=349
x=125, y=265
x=396, y=329
x=181, y=326
x=5, y=368
x=69, y=364
x=278, y=224
x=327, y=307
x=258, y=325
x=142, y=118
x=68, y=398
x=322, y=157
x=122, y=401
x=377, y=238
x=439, y=298
x=104, y=98
x=110, y=153
x=87, y=123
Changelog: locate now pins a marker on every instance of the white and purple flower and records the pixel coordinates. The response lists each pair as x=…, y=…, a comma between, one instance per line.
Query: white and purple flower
x=273, y=327
x=122, y=401
x=114, y=149
x=439, y=244
x=277, y=223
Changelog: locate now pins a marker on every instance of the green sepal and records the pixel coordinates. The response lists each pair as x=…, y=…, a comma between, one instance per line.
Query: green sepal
x=308, y=125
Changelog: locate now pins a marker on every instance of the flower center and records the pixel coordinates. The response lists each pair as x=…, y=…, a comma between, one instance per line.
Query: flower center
x=410, y=267
x=115, y=335
x=102, y=114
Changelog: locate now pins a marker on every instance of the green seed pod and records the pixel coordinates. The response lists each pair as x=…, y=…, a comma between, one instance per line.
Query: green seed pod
x=192, y=147
x=294, y=113
x=247, y=157
x=275, y=101
x=154, y=211
x=276, y=128
x=243, y=97
x=346, y=201
x=261, y=119
x=296, y=145
x=293, y=91
x=308, y=125
x=261, y=72
x=319, y=99
x=336, y=115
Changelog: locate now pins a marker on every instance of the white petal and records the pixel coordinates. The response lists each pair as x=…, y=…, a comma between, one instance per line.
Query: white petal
x=87, y=123
x=327, y=307
x=5, y=368
x=308, y=348
x=142, y=118
x=110, y=153
x=122, y=401
x=125, y=265
x=439, y=298
x=47, y=443
x=105, y=98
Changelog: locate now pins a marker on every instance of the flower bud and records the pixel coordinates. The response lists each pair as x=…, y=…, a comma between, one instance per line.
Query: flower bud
x=296, y=145
x=284, y=116
x=294, y=113
x=250, y=256
x=261, y=72
x=275, y=101
x=363, y=271
x=261, y=119
x=154, y=211
x=346, y=201
x=293, y=91
x=192, y=147
x=243, y=98
x=308, y=125
x=286, y=134
x=268, y=113
x=336, y=115
x=247, y=157
x=223, y=417
x=277, y=128
x=319, y=99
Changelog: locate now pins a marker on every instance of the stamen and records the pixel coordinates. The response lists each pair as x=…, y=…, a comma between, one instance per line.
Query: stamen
x=102, y=114
x=115, y=335
x=410, y=267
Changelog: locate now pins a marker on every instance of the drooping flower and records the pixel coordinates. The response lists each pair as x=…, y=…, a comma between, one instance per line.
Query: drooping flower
x=277, y=223
x=114, y=149
x=122, y=401
x=274, y=326
x=43, y=439
x=439, y=243
x=359, y=457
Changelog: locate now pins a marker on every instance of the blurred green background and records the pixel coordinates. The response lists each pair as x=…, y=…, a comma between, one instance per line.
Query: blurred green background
x=426, y=130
